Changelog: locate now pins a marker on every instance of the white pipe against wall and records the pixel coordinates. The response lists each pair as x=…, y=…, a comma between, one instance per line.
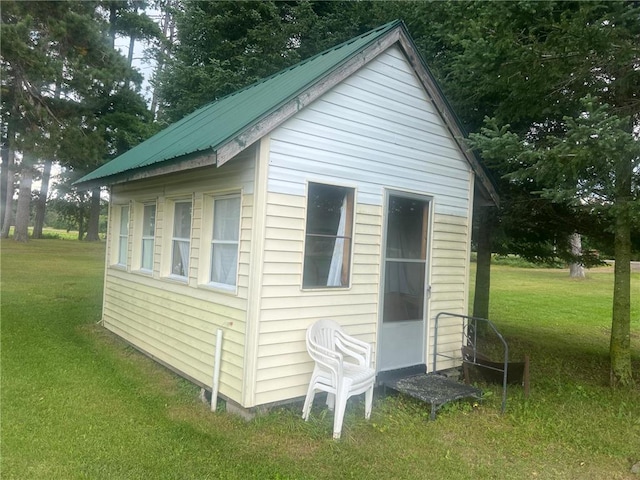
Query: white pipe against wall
x=216, y=371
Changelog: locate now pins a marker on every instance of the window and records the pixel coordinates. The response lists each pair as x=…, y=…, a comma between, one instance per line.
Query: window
x=181, y=239
x=148, y=233
x=225, y=241
x=327, y=254
x=123, y=240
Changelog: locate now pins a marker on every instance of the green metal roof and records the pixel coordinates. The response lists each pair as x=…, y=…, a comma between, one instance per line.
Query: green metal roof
x=211, y=126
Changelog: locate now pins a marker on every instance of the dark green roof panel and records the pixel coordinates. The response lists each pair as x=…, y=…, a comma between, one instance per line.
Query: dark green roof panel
x=212, y=125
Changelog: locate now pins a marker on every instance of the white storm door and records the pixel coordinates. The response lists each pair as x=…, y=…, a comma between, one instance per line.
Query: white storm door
x=404, y=294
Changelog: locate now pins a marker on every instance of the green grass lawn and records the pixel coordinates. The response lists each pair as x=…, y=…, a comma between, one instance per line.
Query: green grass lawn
x=77, y=403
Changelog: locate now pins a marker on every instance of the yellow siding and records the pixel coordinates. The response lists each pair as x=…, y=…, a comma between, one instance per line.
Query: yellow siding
x=176, y=322
x=177, y=326
x=449, y=280
x=287, y=310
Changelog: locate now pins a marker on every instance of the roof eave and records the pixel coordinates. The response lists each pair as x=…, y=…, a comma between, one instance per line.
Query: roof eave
x=185, y=162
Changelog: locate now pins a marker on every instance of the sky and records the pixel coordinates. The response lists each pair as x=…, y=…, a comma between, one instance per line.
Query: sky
x=144, y=66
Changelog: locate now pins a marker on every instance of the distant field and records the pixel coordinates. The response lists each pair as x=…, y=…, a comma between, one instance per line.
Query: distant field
x=78, y=403
x=57, y=233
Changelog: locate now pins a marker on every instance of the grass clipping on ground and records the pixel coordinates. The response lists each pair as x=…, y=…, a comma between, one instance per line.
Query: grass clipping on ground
x=77, y=402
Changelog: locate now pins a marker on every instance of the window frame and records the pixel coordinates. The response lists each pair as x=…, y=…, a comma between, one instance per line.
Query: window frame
x=171, y=239
x=120, y=237
x=141, y=237
x=348, y=235
x=208, y=241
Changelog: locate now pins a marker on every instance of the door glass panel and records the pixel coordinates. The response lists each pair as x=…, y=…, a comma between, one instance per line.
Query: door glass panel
x=406, y=235
x=404, y=291
x=406, y=241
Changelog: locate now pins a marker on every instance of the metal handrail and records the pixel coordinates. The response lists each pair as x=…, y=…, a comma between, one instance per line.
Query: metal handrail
x=469, y=338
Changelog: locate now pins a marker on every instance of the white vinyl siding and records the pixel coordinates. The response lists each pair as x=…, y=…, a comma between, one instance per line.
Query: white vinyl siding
x=377, y=128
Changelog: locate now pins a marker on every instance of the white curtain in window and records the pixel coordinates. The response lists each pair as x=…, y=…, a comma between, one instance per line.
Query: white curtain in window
x=184, y=257
x=224, y=261
x=181, y=238
x=124, y=236
x=122, y=252
x=226, y=219
x=224, y=249
x=147, y=254
x=396, y=274
x=335, y=269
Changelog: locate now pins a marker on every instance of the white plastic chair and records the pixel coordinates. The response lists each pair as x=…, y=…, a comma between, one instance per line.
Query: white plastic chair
x=342, y=369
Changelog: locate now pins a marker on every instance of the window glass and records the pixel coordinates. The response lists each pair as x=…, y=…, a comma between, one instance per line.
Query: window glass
x=328, y=239
x=148, y=232
x=181, y=239
x=124, y=235
x=225, y=240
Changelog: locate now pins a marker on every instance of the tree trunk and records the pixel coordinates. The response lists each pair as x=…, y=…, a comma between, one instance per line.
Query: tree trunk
x=113, y=15
x=132, y=45
x=620, y=346
x=93, y=225
x=21, y=232
x=7, y=218
x=168, y=31
x=576, y=270
x=4, y=175
x=41, y=204
x=486, y=219
x=81, y=224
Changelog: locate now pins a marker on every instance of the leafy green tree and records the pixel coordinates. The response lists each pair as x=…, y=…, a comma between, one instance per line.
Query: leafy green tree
x=63, y=81
x=592, y=164
x=7, y=182
x=227, y=45
x=71, y=205
x=588, y=54
x=48, y=47
x=530, y=65
x=120, y=114
x=162, y=51
x=128, y=18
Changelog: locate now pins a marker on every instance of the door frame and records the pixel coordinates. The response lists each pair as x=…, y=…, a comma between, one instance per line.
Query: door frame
x=429, y=199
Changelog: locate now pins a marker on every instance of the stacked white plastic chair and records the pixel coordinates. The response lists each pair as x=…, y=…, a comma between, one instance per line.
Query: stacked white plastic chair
x=342, y=369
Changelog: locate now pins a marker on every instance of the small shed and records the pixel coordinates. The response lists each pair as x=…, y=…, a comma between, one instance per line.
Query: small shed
x=340, y=187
